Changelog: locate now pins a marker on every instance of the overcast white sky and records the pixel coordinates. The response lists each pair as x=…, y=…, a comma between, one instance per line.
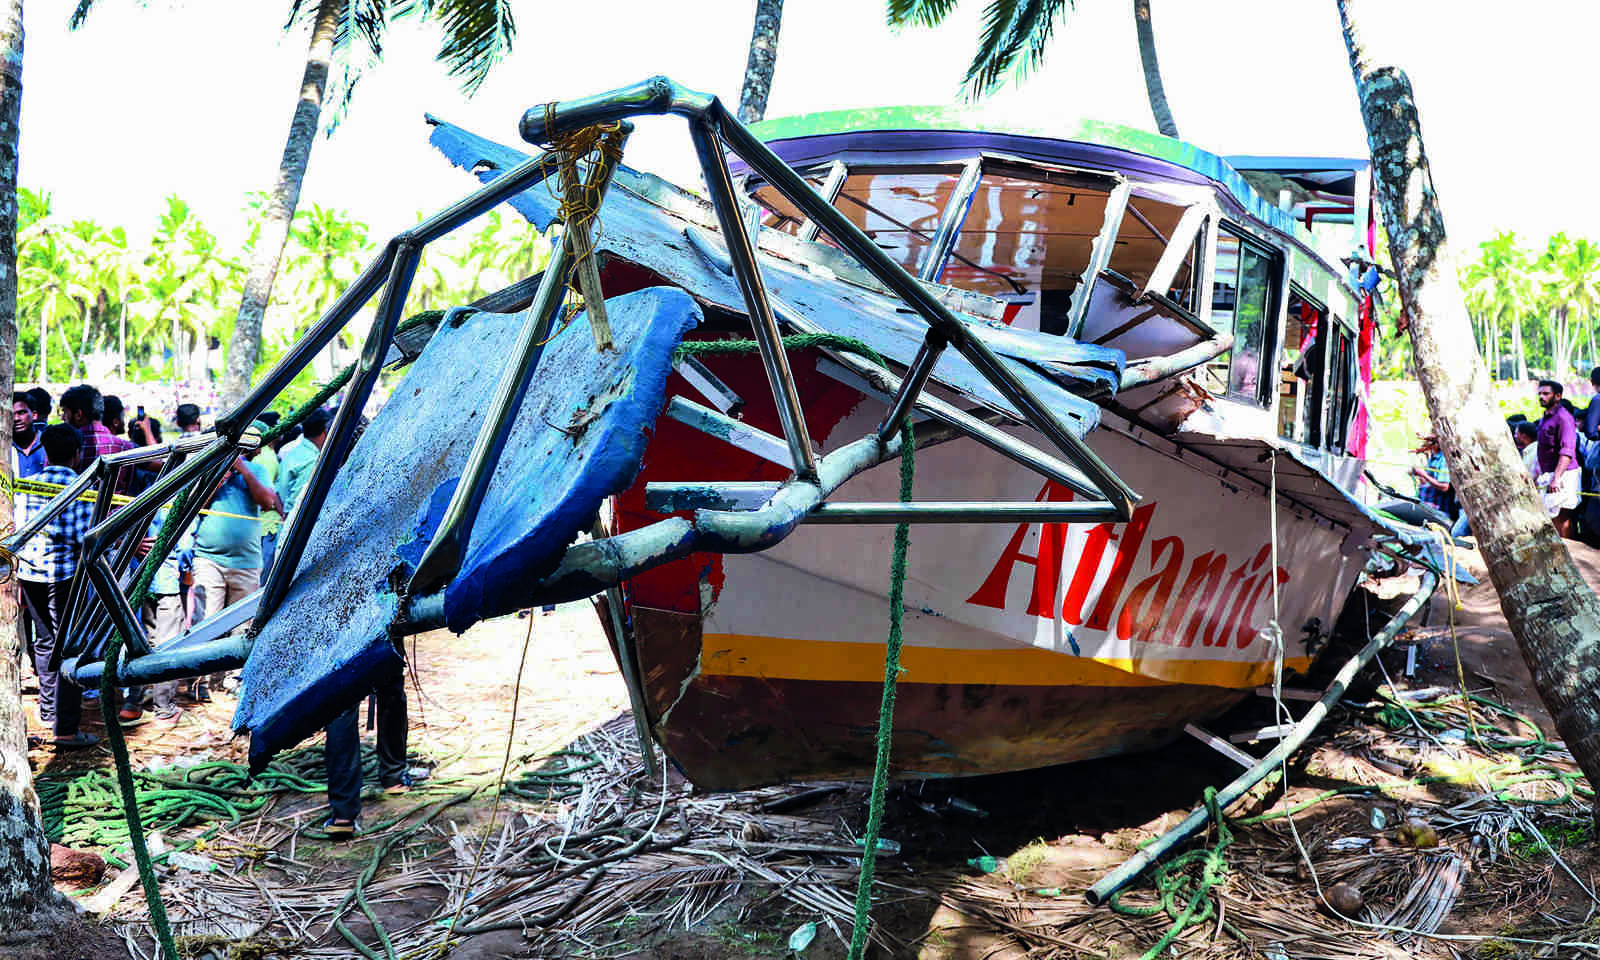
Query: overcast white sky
x=194, y=96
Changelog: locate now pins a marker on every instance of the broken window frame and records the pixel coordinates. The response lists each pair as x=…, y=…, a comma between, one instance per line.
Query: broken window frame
x=1195, y=233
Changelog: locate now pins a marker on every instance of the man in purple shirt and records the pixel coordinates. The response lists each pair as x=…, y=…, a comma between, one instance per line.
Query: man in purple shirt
x=1557, y=459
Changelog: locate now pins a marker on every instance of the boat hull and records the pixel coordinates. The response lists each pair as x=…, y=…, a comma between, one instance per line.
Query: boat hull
x=1025, y=644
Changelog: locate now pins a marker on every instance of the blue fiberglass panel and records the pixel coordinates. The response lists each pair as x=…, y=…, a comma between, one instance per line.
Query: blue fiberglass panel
x=577, y=437
x=548, y=490
x=644, y=233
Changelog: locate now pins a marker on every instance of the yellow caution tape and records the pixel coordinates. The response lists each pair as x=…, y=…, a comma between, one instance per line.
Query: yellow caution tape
x=42, y=488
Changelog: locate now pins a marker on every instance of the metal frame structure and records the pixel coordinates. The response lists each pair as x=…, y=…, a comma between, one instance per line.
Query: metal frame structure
x=588, y=568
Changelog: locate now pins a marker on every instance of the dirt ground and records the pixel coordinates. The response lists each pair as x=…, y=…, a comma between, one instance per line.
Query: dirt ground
x=1049, y=833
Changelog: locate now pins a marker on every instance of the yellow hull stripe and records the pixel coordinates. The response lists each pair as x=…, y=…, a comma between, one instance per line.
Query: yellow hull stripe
x=787, y=658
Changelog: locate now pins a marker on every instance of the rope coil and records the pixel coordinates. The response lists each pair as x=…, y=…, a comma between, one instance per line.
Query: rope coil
x=599, y=147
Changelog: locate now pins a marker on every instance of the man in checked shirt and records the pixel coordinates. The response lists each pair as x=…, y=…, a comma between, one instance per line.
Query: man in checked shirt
x=45, y=567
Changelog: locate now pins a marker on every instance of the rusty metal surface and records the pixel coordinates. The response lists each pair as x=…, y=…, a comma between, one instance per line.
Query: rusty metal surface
x=731, y=733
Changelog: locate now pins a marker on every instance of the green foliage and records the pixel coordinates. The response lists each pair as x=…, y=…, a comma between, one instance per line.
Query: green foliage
x=1571, y=834
x=1014, y=36
x=175, y=296
x=1533, y=311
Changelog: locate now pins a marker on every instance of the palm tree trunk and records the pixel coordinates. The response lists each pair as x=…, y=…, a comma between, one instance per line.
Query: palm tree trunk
x=27, y=899
x=122, y=340
x=1516, y=345
x=44, y=337
x=245, y=347
x=72, y=371
x=1552, y=612
x=1495, y=346
x=1152, y=69
x=763, y=61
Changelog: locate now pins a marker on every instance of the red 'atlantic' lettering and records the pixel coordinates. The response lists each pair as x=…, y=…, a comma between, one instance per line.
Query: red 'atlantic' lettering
x=1217, y=616
x=1127, y=553
x=1094, y=547
x=1046, y=565
x=1148, y=601
x=1205, y=576
x=1214, y=604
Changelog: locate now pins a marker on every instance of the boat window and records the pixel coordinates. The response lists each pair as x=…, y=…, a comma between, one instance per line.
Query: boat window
x=898, y=208
x=1027, y=240
x=1242, y=300
x=777, y=212
x=1147, y=229
x=1303, y=374
x=1342, y=366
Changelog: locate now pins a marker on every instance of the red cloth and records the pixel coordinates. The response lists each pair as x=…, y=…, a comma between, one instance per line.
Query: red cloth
x=1357, y=447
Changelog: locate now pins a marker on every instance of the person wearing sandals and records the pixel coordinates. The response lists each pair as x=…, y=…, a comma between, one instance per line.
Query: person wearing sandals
x=45, y=567
x=343, y=755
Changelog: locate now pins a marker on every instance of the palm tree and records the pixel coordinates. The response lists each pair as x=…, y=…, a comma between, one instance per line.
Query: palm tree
x=1016, y=35
x=327, y=250
x=27, y=899
x=762, y=62
x=49, y=280
x=186, y=281
x=1551, y=610
x=1573, y=271
x=477, y=35
x=116, y=280
x=1153, y=88
x=1498, y=286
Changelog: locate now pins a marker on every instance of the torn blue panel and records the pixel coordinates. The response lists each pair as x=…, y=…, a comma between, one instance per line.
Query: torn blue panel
x=578, y=436
x=646, y=233
x=598, y=410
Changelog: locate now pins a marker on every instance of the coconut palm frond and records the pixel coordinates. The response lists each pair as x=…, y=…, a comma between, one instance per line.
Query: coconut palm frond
x=997, y=46
x=1039, y=37
x=1015, y=35
x=921, y=13
x=80, y=13
x=477, y=35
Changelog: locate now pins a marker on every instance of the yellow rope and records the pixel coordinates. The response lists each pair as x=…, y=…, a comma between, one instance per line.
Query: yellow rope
x=41, y=488
x=600, y=148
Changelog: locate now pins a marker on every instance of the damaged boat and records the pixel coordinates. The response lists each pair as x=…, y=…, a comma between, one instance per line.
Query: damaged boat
x=1131, y=373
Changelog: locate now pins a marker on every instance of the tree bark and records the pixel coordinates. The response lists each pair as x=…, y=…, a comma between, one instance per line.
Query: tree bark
x=763, y=61
x=1551, y=610
x=245, y=347
x=27, y=899
x=1152, y=69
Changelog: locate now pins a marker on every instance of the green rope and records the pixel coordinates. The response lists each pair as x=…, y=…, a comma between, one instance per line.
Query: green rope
x=119, y=746
x=1175, y=882
x=85, y=809
x=897, y=585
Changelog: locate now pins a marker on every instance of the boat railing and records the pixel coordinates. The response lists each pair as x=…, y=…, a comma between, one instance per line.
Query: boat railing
x=759, y=518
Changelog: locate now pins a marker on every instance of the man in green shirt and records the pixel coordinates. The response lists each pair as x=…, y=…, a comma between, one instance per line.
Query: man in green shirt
x=297, y=459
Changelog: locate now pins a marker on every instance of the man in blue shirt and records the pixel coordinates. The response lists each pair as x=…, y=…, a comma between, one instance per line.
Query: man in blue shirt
x=45, y=565
x=227, y=547
x=27, y=450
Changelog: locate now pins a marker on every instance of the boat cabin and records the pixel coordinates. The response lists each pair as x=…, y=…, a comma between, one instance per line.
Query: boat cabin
x=1119, y=238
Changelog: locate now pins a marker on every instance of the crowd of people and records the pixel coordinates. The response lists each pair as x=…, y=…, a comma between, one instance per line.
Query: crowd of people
x=219, y=560
x=1560, y=452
